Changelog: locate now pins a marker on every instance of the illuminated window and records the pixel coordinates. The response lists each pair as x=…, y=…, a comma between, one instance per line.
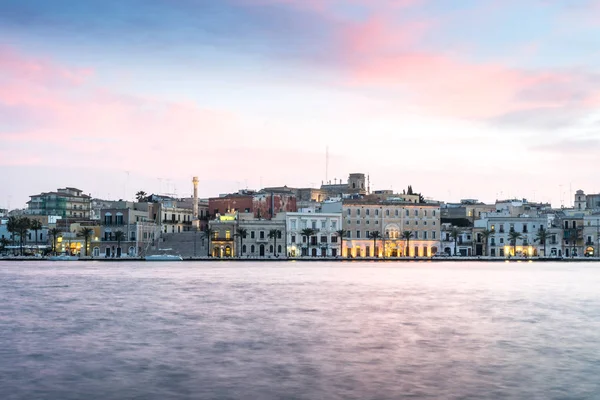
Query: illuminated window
x=227, y=234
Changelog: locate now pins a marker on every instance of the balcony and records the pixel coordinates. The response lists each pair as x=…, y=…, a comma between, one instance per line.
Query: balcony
x=221, y=239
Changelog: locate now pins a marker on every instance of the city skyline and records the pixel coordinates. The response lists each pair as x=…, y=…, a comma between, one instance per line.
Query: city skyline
x=459, y=101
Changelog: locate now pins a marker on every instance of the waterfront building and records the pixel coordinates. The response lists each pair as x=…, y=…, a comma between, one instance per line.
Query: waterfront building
x=457, y=241
x=263, y=238
x=126, y=230
x=313, y=234
x=591, y=234
x=68, y=203
x=405, y=229
x=262, y=204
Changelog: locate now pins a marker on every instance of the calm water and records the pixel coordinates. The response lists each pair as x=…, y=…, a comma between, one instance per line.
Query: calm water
x=299, y=331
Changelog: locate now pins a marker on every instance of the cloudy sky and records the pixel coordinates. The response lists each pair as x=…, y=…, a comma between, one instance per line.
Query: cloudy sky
x=460, y=99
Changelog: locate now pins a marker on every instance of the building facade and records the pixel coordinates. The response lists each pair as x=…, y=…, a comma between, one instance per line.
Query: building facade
x=313, y=234
x=68, y=203
x=404, y=229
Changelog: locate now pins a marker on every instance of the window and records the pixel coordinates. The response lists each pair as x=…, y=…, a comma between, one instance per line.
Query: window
x=261, y=234
x=433, y=234
x=313, y=224
x=407, y=222
x=333, y=239
x=416, y=213
x=425, y=235
x=416, y=234
x=358, y=234
x=358, y=222
x=358, y=212
x=348, y=212
x=425, y=213
x=334, y=225
x=367, y=212
x=324, y=239
x=367, y=233
x=278, y=234
x=387, y=213
x=304, y=224
x=252, y=235
x=243, y=249
x=433, y=213
x=252, y=249
x=293, y=224
x=293, y=238
x=323, y=224
x=501, y=240
x=407, y=213
x=376, y=212
x=396, y=212
x=424, y=222
x=416, y=222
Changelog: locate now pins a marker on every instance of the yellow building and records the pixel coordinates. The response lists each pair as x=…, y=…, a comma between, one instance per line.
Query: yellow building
x=403, y=229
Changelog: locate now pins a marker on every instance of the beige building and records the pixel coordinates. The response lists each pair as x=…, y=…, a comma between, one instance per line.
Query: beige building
x=391, y=219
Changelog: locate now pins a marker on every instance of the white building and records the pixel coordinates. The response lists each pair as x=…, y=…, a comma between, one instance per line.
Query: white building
x=324, y=240
x=502, y=223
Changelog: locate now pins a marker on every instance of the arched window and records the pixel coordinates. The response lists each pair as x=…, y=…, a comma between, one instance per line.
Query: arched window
x=243, y=249
x=270, y=248
x=252, y=249
x=279, y=248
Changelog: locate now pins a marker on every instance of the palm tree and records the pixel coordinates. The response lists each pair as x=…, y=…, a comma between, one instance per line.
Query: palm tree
x=23, y=225
x=54, y=232
x=141, y=195
x=514, y=236
x=85, y=233
x=241, y=233
x=308, y=232
x=36, y=226
x=485, y=234
x=3, y=243
x=341, y=233
x=542, y=236
x=11, y=227
x=273, y=233
x=208, y=234
x=407, y=235
x=119, y=236
x=375, y=235
x=454, y=234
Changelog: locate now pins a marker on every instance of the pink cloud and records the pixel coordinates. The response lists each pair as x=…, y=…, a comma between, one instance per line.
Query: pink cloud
x=84, y=120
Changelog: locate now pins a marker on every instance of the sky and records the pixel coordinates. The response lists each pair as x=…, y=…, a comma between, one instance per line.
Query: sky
x=460, y=99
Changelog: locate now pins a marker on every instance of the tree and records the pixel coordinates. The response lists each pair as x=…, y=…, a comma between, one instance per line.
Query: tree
x=542, y=236
x=514, y=236
x=141, y=196
x=485, y=234
x=454, y=234
x=55, y=233
x=409, y=190
x=241, y=233
x=19, y=226
x=341, y=233
x=407, y=235
x=119, y=236
x=273, y=233
x=308, y=232
x=36, y=226
x=375, y=235
x=3, y=243
x=11, y=227
x=86, y=233
x=208, y=234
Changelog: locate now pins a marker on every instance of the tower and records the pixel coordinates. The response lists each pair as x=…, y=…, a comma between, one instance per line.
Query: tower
x=580, y=200
x=356, y=183
x=195, y=202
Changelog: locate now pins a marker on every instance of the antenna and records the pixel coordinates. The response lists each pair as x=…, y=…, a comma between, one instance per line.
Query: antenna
x=326, y=163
